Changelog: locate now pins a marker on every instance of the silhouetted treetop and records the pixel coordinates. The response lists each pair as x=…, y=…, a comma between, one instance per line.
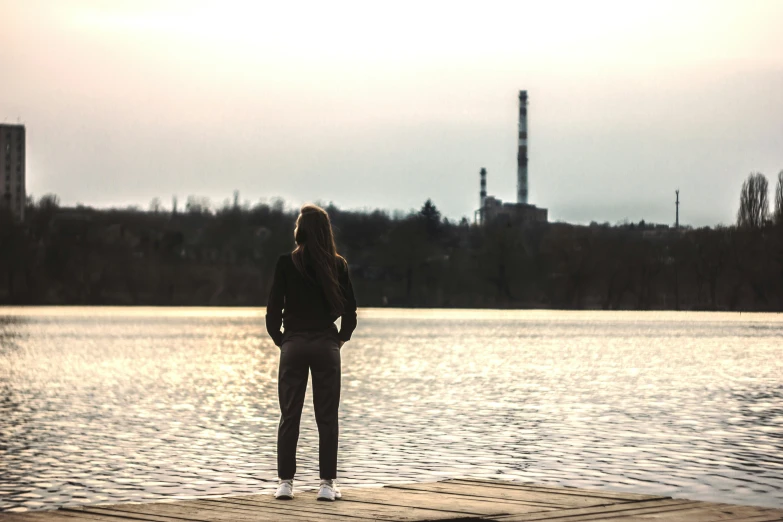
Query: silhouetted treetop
x=754, y=205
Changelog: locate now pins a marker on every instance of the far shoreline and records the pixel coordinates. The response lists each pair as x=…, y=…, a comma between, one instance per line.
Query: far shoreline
x=139, y=307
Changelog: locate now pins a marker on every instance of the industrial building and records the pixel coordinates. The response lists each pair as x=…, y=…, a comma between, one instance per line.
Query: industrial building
x=492, y=209
x=13, y=194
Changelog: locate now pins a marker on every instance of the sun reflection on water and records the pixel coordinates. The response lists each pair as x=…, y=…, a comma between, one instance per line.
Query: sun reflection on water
x=145, y=403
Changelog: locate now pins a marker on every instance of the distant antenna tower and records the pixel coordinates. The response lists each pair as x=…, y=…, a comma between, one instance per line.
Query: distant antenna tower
x=677, y=203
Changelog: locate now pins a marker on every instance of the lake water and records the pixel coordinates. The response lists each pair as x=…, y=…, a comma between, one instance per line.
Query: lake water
x=130, y=404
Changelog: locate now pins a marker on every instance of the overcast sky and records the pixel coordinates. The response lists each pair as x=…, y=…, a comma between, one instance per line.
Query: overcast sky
x=382, y=105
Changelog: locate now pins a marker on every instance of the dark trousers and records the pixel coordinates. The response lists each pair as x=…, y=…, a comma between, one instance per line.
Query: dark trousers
x=302, y=352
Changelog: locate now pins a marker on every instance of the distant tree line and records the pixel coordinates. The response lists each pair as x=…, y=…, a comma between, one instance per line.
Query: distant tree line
x=225, y=257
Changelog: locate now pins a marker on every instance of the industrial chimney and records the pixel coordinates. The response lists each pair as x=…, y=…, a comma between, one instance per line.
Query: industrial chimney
x=483, y=194
x=522, y=152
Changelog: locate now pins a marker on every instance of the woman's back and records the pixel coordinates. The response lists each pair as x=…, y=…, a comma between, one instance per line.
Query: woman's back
x=298, y=303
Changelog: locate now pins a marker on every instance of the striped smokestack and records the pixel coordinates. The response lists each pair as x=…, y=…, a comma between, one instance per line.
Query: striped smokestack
x=522, y=151
x=483, y=194
x=483, y=191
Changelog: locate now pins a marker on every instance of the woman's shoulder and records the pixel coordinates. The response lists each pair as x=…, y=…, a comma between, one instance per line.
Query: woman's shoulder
x=342, y=263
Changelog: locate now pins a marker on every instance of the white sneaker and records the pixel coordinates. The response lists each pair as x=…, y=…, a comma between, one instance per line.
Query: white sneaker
x=329, y=491
x=285, y=491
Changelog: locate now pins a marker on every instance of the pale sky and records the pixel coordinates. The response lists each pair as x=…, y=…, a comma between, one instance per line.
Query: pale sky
x=382, y=105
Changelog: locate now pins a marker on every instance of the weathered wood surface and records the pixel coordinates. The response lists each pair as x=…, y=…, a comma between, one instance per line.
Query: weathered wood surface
x=454, y=499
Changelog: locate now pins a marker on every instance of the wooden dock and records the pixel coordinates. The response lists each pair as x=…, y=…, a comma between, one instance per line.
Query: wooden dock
x=454, y=499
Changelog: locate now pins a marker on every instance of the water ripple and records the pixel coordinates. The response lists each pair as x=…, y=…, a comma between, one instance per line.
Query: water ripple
x=108, y=405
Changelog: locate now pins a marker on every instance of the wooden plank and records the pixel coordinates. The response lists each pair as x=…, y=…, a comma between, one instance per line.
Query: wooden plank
x=64, y=515
x=768, y=517
x=606, y=512
x=763, y=518
x=745, y=512
x=307, y=507
x=355, y=510
x=238, y=508
x=708, y=511
x=696, y=514
x=73, y=516
x=34, y=516
x=180, y=517
x=100, y=511
x=563, y=490
x=304, y=508
x=174, y=511
x=441, y=501
x=279, y=510
x=776, y=516
x=105, y=511
x=518, y=495
x=187, y=511
x=23, y=516
x=454, y=504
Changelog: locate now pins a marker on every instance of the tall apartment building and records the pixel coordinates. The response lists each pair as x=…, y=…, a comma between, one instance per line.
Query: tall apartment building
x=13, y=194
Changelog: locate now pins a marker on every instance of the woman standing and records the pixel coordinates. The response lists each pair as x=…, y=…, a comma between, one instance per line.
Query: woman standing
x=311, y=289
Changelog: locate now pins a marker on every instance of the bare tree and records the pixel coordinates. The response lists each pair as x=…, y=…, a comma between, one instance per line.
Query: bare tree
x=155, y=205
x=754, y=205
x=198, y=205
x=49, y=201
x=779, y=199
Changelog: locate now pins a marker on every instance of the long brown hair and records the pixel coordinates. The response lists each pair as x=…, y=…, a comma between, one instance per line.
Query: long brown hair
x=315, y=243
